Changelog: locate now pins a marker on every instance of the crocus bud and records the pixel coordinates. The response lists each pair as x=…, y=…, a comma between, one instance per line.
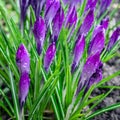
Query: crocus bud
x=24, y=84
x=89, y=69
x=23, y=10
x=96, y=77
x=97, y=43
x=37, y=6
x=78, y=51
x=22, y=59
x=57, y=23
x=72, y=2
x=105, y=23
x=49, y=56
x=39, y=33
x=104, y=4
x=52, y=7
x=71, y=17
x=87, y=23
x=113, y=39
x=97, y=29
x=91, y=4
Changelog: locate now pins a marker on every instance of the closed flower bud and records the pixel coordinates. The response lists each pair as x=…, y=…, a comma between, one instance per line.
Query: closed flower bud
x=23, y=10
x=87, y=23
x=49, y=56
x=24, y=84
x=39, y=33
x=78, y=51
x=104, y=4
x=96, y=77
x=113, y=39
x=89, y=69
x=52, y=7
x=91, y=4
x=72, y=2
x=22, y=59
x=97, y=43
x=71, y=17
x=37, y=6
x=57, y=24
x=105, y=23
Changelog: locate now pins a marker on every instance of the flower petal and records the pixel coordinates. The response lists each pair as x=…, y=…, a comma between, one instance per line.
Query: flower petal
x=97, y=43
x=49, y=56
x=22, y=59
x=39, y=33
x=71, y=17
x=105, y=23
x=78, y=51
x=57, y=23
x=113, y=38
x=23, y=88
x=52, y=7
x=87, y=23
x=89, y=69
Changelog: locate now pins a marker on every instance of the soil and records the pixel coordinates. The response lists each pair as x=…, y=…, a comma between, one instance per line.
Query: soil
x=114, y=97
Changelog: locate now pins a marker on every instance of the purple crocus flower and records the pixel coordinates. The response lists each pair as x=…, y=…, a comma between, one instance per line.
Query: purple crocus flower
x=96, y=77
x=104, y=4
x=87, y=23
x=39, y=33
x=37, y=6
x=98, y=42
x=113, y=39
x=73, y=2
x=91, y=4
x=23, y=10
x=23, y=88
x=71, y=17
x=22, y=59
x=78, y=51
x=52, y=7
x=57, y=24
x=49, y=56
x=105, y=23
x=90, y=67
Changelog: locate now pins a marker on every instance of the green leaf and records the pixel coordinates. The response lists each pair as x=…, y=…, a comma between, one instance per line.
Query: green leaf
x=14, y=95
x=105, y=109
x=5, y=108
x=48, y=85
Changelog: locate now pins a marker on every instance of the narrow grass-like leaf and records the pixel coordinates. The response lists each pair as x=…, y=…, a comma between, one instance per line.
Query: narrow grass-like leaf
x=5, y=108
x=13, y=90
x=108, y=108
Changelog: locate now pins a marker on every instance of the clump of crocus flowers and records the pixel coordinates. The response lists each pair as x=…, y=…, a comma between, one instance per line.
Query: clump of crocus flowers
x=53, y=21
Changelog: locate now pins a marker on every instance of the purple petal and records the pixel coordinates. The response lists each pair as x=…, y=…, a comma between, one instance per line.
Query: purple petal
x=23, y=10
x=73, y=2
x=57, y=23
x=49, y=56
x=97, y=43
x=91, y=4
x=97, y=29
x=22, y=59
x=89, y=69
x=37, y=6
x=105, y=23
x=113, y=38
x=78, y=51
x=71, y=17
x=104, y=4
x=95, y=78
x=39, y=33
x=87, y=23
x=23, y=88
x=52, y=7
